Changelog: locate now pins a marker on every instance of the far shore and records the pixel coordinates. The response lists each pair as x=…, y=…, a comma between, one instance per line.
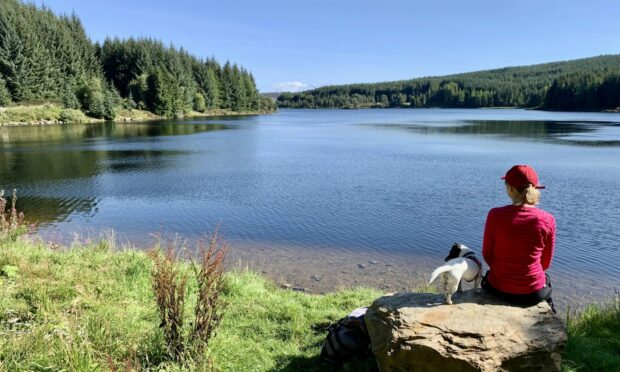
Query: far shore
x=378, y=107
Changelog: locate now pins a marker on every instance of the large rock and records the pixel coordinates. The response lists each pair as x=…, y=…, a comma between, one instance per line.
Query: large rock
x=418, y=332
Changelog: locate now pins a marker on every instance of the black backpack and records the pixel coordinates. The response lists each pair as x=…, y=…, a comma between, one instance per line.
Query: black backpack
x=346, y=339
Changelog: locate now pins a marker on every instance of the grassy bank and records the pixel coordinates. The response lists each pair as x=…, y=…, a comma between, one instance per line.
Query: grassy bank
x=594, y=339
x=91, y=307
x=51, y=113
x=41, y=115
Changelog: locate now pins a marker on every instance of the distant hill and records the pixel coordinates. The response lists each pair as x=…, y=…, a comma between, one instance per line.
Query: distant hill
x=273, y=95
x=581, y=84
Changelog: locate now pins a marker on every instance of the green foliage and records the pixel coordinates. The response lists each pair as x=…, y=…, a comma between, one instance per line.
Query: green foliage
x=267, y=103
x=200, y=104
x=594, y=339
x=91, y=97
x=5, y=95
x=45, y=57
x=211, y=84
x=9, y=271
x=584, y=91
x=97, y=99
x=26, y=114
x=167, y=80
x=112, y=100
x=585, y=84
x=138, y=88
x=82, y=307
x=161, y=96
x=41, y=53
x=72, y=116
x=69, y=98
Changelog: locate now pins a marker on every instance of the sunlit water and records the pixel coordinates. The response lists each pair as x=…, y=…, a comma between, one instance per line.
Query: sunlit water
x=328, y=198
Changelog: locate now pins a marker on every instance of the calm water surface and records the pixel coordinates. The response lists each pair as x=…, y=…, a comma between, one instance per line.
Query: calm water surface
x=328, y=198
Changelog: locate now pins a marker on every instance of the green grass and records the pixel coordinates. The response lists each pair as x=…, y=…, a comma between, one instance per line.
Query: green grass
x=135, y=115
x=91, y=308
x=27, y=114
x=49, y=112
x=594, y=339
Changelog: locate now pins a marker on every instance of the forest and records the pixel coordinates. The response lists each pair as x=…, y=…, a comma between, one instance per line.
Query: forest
x=49, y=58
x=591, y=84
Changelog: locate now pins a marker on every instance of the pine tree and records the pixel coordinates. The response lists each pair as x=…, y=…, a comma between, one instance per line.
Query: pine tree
x=5, y=95
x=48, y=57
x=212, y=85
x=226, y=86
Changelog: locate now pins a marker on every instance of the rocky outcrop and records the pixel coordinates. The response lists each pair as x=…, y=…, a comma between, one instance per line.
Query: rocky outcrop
x=417, y=332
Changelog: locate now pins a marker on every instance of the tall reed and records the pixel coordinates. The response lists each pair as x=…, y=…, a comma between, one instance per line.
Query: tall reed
x=12, y=223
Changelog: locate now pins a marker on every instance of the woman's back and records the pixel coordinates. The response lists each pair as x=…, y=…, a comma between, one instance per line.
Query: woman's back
x=518, y=245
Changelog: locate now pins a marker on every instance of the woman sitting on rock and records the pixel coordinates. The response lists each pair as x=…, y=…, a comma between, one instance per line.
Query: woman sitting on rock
x=518, y=242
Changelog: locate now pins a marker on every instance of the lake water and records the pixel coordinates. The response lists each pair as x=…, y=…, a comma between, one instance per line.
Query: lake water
x=328, y=198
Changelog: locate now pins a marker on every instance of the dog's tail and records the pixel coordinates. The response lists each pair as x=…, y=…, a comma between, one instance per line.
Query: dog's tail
x=437, y=272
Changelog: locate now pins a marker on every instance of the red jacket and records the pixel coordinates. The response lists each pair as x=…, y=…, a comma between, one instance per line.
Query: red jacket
x=518, y=246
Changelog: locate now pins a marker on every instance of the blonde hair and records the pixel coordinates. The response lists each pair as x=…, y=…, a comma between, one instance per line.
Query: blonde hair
x=529, y=195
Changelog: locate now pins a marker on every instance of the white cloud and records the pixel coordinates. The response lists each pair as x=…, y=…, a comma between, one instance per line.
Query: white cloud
x=290, y=86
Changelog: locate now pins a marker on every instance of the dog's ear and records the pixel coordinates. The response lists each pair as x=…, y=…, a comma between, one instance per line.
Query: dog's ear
x=454, y=252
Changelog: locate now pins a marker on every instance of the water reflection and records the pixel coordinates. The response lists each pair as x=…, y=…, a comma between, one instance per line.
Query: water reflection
x=43, y=210
x=57, y=168
x=566, y=132
x=15, y=136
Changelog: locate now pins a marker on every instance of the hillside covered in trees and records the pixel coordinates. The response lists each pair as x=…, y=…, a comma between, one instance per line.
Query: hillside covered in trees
x=583, y=84
x=49, y=58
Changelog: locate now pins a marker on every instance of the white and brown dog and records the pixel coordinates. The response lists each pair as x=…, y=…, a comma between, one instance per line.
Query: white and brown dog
x=462, y=264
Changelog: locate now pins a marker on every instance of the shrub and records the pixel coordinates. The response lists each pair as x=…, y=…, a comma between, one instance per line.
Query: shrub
x=170, y=285
x=199, y=102
x=210, y=280
x=72, y=116
x=91, y=97
x=98, y=99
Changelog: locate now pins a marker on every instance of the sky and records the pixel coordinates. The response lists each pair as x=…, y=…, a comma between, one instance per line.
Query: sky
x=301, y=44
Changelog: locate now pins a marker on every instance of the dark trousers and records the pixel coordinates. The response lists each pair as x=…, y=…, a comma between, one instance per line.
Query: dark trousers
x=543, y=294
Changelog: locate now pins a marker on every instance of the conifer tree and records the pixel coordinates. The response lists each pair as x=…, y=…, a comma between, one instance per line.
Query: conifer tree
x=5, y=95
x=48, y=57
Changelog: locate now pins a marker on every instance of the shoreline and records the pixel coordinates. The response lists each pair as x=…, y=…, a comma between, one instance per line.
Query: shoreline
x=610, y=111
x=324, y=270
x=94, y=303
x=51, y=114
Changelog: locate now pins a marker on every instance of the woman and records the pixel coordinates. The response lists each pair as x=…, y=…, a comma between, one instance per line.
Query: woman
x=518, y=242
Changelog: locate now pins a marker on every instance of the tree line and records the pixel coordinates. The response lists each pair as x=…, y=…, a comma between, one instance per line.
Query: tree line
x=49, y=58
x=583, y=84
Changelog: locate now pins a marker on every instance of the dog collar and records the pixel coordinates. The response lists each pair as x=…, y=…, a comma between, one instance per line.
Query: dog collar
x=472, y=256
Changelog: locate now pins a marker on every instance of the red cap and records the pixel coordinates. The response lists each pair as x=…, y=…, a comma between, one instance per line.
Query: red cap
x=520, y=175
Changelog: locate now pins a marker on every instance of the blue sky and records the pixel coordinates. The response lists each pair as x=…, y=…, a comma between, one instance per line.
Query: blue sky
x=299, y=44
